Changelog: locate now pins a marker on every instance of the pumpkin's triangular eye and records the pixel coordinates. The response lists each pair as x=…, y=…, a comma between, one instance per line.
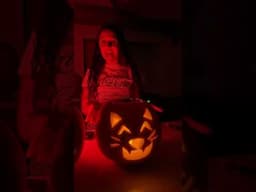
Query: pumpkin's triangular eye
x=145, y=125
x=114, y=119
x=147, y=115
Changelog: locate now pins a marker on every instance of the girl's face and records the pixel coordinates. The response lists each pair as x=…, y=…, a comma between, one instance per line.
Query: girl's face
x=109, y=47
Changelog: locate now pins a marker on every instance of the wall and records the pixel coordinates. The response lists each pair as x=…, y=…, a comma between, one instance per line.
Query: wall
x=159, y=63
x=217, y=46
x=157, y=57
x=160, y=9
x=11, y=22
x=217, y=66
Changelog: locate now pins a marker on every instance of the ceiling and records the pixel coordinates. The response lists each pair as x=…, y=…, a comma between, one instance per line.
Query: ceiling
x=152, y=9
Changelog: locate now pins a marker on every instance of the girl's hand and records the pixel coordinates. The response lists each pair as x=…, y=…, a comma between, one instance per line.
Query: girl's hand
x=96, y=105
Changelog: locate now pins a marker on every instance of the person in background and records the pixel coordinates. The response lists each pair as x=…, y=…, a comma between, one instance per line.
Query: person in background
x=13, y=162
x=55, y=94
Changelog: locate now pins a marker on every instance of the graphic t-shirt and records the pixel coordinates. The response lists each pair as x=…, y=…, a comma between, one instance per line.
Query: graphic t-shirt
x=114, y=84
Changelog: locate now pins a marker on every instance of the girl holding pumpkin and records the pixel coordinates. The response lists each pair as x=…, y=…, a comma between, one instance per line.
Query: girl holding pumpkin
x=112, y=75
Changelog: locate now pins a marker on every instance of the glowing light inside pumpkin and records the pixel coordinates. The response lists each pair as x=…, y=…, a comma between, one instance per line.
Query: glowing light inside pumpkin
x=123, y=129
x=147, y=115
x=152, y=136
x=138, y=151
x=137, y=143
x=145, y=125
x=114, y=119
x=137, y=154
x=115, y=138
x=113, y=145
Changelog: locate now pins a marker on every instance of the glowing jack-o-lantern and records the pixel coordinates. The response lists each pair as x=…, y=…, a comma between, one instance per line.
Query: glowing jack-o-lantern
x=128, y=132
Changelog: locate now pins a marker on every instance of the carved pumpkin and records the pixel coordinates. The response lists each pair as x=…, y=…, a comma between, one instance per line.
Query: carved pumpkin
x=128, y=132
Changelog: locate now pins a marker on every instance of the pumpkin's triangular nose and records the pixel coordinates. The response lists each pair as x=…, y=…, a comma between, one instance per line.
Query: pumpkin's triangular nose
x=137, y=143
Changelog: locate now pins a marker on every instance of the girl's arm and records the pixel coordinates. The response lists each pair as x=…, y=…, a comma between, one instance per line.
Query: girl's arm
x=85, y=104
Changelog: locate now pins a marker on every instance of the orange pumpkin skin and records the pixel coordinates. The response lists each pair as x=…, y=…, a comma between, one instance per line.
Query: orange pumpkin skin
x=128, y=132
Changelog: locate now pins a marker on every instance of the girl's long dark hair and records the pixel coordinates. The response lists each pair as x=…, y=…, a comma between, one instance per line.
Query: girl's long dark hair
x=98, y=61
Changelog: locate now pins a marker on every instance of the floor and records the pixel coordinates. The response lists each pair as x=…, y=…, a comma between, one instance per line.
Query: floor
x=95, y=173
x=232, y=173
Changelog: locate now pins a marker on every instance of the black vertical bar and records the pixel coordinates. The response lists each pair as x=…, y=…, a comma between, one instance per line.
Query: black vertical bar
x=26, y=22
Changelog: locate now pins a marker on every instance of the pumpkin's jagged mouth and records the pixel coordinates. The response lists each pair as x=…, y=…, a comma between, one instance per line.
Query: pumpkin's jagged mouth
x=137, y=154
